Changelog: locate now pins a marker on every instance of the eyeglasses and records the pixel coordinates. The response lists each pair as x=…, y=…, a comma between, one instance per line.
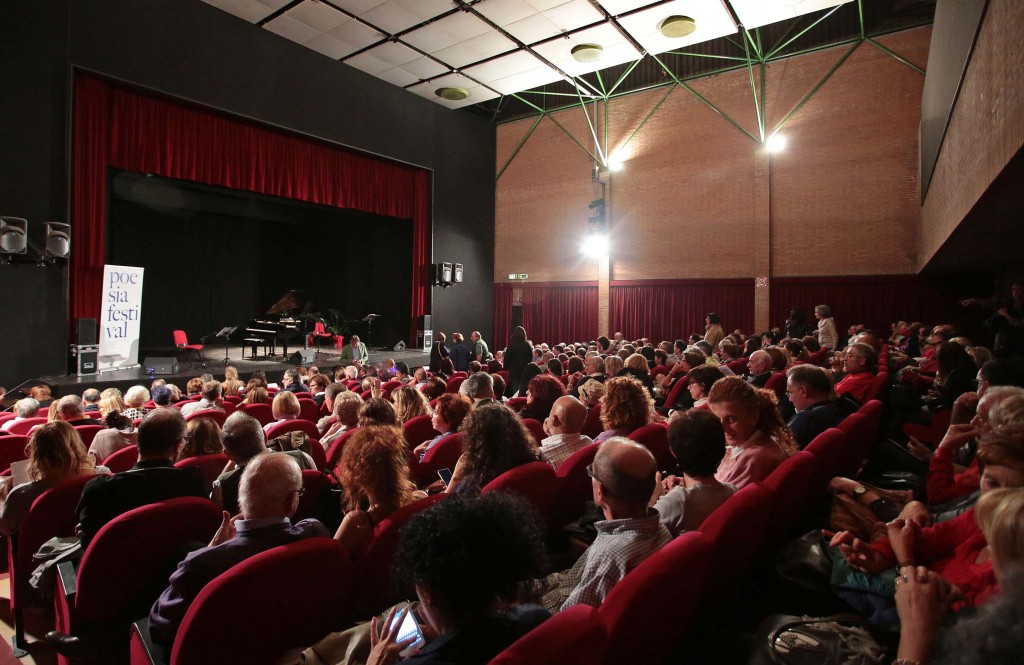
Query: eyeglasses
x=590, y=472
x=300, y=491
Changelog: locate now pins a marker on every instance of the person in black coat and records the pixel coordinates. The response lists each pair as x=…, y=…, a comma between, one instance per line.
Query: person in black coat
x=437, y=352
x=517, y=356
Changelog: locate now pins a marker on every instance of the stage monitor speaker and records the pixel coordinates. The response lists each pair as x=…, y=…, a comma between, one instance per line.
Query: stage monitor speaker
x=457, y=273
x=445, y=274
x=400, y=346
x=86, y=332
x=160, y=365
x=425, y=323
x=303, y=357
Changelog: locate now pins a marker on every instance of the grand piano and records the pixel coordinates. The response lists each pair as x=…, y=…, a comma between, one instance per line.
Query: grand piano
x=278, y=326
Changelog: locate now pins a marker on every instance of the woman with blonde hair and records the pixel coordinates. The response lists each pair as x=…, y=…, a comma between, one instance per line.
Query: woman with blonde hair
x=374, y=471
x=346, y=416
x=377, y=411
x=111, y=402
x=625, y=407
x=757, y=438
x=591, y=392
x=203, y=438
x=256, y=395
x=410, y=403
x=231, y=384
x=55, y=454
x=285, y=407
x=828, y=336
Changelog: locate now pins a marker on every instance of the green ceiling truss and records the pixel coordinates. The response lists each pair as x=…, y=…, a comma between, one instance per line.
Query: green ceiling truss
x=755, y=58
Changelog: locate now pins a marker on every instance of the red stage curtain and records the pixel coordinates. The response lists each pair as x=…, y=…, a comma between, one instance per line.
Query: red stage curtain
x=123, y=128
x=675, y=309
x=502, y=316
x=552, y=313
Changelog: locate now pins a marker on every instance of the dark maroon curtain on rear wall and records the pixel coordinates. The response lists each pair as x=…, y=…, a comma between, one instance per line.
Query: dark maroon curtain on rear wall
x=502, y=316
x=552, y=312
x=123, y=128
x=675, y=309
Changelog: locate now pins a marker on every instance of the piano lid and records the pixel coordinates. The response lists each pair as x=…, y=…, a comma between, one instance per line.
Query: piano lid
x=288, y=302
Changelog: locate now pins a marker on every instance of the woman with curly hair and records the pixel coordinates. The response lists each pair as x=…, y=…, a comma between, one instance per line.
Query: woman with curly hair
x=495, y=440
x=120, y=433
x=451, y=410
x=541, y=394
x=374, y=471
x=410, y=403
x=625, y=407
x=757, y=438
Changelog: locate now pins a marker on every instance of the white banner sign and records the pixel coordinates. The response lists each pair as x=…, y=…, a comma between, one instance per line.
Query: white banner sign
x=120, y=316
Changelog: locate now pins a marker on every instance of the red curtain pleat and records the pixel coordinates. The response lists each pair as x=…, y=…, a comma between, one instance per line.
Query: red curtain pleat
x=123, y=128
x=560, y=312
x=675, y=309
x=502, y=316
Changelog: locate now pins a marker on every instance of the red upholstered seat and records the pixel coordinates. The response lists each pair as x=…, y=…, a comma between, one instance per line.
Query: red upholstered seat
x=310, y=578
x=534, y=481
x=309, y=409
x=443, y=455
x=454, y=383
x=311, y=503
x=389, y=387
x=366, y=394
x=862, y=428
x=88, y=433
x=373, y=589
x=592, y=426
x=25, y=425
x=417, y=430
x=303, y=394
x=122, y=460
x=12, y=449
x=675, y=393
x=777, y=383
x=877, y=385
x=736, y=530
x=574, y=635
x=261, y=412
x=819, y=357
x=933, y=432
x=648, y=612
x=216, y=415
x=574, y=487
x=503, y=374
x=831, y=449
x=536, y=428
x=337, y=448
x=296, y=425
x=654, y=437
x=125, y=568
x=318, y=454
x=4, y=417
x=797, y=484
x=210, y=465
x=516, y=403
x=233, y=399
x=738, y=366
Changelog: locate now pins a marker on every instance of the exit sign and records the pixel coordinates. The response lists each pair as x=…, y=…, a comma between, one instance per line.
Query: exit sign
x=511, y=275
x=523, y=275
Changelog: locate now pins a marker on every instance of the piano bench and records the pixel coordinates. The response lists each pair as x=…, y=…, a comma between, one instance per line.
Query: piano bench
x=253, y=343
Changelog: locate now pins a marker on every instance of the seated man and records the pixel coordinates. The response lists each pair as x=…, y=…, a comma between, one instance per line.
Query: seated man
x=810, y=393
x=623, y=479
x=330, y=393
x=759, y=368
x=71, y=409
x=268, y=494
x=563, y=427
x=858, y=364
x=211, y=400
x=23, y=408
x=151, y=480
x=478, y=387
x=91, y=397
x=354, y=352
x=243, y=440
x=292, y=382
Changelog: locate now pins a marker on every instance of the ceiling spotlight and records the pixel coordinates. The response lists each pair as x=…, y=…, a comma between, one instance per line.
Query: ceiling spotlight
x=775, y=143
x=587, y=52
x=677, y=26
x=615, y=162
x=452, y=94
x=595, y=245
x=58, y=240
x=13, y=235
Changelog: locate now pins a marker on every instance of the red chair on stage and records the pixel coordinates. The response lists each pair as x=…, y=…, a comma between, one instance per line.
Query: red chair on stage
x=122, y=460
x=261, y=412
x=210, y=465
x=216, y=415
x=181, y=341
x=417, y=430
x=296, y=425
x=536, y=428
x=26, y=425
x=320, y=334
x=654, y=437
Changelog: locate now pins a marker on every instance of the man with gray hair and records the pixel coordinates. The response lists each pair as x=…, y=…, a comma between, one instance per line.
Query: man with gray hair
x=268, y=495
x=135, y=400
x=292, y=382
x=478, y=348
x=810, y=391
x=23, y=408
x=478, y=387
x=91, y=397
x=244, y=441
x=71, y=409
x=211, y=400
x=759, y=368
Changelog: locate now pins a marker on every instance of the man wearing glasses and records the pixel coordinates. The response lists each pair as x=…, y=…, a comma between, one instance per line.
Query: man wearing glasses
x=859, y=364
x=269, y=495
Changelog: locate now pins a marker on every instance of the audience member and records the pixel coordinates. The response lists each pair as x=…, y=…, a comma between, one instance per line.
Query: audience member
x=330, y=394
x=562, y=427
x=479, y=388
x=410, y=403
x=759, y=368
x=828, y=336
x=810, y=393
x=438, y=352
x=26, y=407
x=449, y=413
x=211, y=400
x=91, y=397
x=541, y=394
x=346, y=416
x=478, y=347
x=120, y=433
x=459, y=353
x=625, y=407
x=285, y=407
x=516, y=359
x=203, y=439
x=377, y=411
x=700, y=381
x=494, y=441
x=859, y=363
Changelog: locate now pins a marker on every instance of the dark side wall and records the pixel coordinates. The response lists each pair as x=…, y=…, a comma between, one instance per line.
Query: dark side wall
x=191, y=50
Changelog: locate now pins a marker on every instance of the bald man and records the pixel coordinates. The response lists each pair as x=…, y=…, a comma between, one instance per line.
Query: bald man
x=563, y=427
x=759, y=367
x=268, y=496
x=623, y=479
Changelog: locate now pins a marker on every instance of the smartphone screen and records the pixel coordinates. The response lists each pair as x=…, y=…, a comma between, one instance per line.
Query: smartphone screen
x=409, y=628
x=446, y=476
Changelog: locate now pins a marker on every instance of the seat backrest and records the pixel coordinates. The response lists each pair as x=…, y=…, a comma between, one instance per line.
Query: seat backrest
x=303, y=394
x=319, y=327
x=334, y=453
x=261, y=412
x=309, y=409
x=534, y=481
x=592, y=426
x=88, y=432
x=516, y=403
x=318, y=454
x=310, y=578
x=654, y=437
x=417, y=430
x=640, y=628
x=454, y=384
x=862, y=428
x=574, y=635
x=12, y=449
x=737, y=530
x=216, y=415
x=52, y=514
x=777, y=383
x=536, y=428
x=128, y=561
x=831, y=449
x=296, y=425
x=311, y=503
x=122, y=460
x=443, y=455
x=210, y=465
x=25, y=425
x=233, y=399
x=574, y=487
x=389, y=387
x=675, y=392
x=796, y=484
x=180, y=338
x=738, y=366
x=372, y=586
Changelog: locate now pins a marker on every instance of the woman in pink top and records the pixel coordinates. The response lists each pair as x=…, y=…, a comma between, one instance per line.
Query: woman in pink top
x=756, y=438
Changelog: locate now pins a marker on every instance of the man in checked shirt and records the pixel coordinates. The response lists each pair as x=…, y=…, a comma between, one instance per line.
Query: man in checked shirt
x=623, y=478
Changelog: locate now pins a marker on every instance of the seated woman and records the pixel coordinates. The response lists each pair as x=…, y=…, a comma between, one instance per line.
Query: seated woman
x=111, y=402
x=701, y=379
x=374, y=471
x=346, y=416
x=410, y=403
x=955, y=549
x=256, y=395
x=554, y=367
x=203, y=439
x=468, y=595
x=635, y=366
x=591, y=393
x=377, y=411
x=541, y=394
x=317, y=386
x=697, y=442
x=285, y=407
x=495, y=440
x=193, y=387
x=55, y=454
x=231, y=385
x=434, y=388
x=625, y=407
x=119, y=434
x=757, y=439
x=451, y=410
x=955, y=376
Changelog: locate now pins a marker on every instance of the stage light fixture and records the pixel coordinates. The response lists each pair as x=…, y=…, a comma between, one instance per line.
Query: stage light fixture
x=13, y=235
x=775, y=143
x=595, y=245
x=58, y=240
x=615, y=162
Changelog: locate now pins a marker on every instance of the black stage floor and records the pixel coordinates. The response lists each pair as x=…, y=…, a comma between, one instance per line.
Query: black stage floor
x=274, y=366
